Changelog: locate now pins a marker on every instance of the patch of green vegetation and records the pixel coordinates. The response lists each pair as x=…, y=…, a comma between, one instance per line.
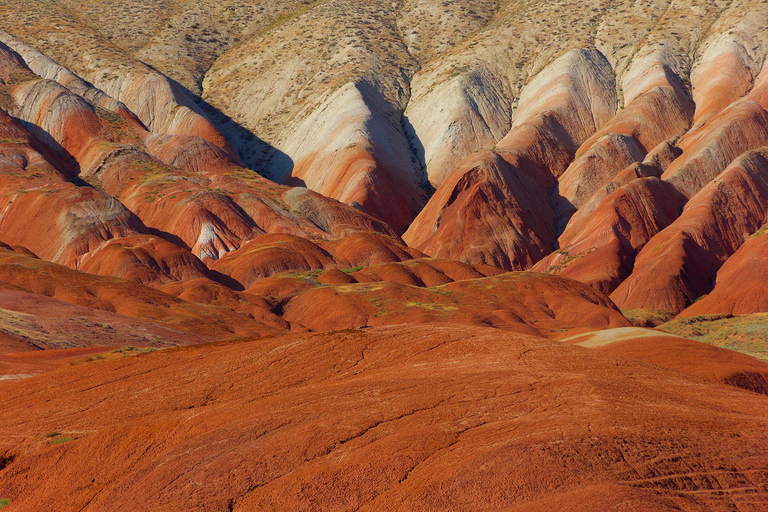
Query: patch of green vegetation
x=4, y=502
x=743, y=333
x=647, y=317
x=433, y=306
x=89, y=359
x=352, y=269
x=61, y=440
x=282, y=20
x=17, y=78
x=133, y=351
x=310, y=276
x=567, y=260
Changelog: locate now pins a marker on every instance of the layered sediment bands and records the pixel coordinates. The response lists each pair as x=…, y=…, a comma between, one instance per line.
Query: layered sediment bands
x=573, y=97
x=627, y=137
x=352, y=148
x=652, y=166
x=78, y=226
x=740, y=282
x=48, y=69
x=144, y=259
x=706, y=152
x=657, y=109
x=738, y=128
x=330, y=216
x=677, y=266
x=21, y=272
x=64, y=121
x=161, y=105
x=206, y=221
x=597, y=165
x=455, y=119
x=602, y=253
x=69, y=221
x=495, y=207
x=481, y=214
x=203, y=202
x=272, y=254
x=189, y=153
x=724, y=76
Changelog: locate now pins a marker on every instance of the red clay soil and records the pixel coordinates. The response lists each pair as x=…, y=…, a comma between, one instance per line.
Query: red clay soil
x=695, y=358
x=396, y=418
x=520, y=301
x=493, y=209
x=22, y=365
x=20, y=272
x=678, y=265
x=40, y=323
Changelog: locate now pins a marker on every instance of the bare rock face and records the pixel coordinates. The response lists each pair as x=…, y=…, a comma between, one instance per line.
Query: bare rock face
x=178, y=173
x=467, y=112
x=656, y=109
x=597, y=165
x=154, y=204
x=479, y=214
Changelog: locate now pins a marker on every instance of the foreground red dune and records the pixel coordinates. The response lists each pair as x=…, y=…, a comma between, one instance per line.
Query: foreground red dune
x=407, y=418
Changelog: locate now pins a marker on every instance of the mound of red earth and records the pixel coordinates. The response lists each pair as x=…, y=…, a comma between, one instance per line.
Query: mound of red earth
x=524, y=302
x=49, y=290
x=685, y=355
x=740, y=282
x=383, y=418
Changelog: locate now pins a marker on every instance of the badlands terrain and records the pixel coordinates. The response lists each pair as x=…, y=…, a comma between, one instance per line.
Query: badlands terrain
x=384, y=255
